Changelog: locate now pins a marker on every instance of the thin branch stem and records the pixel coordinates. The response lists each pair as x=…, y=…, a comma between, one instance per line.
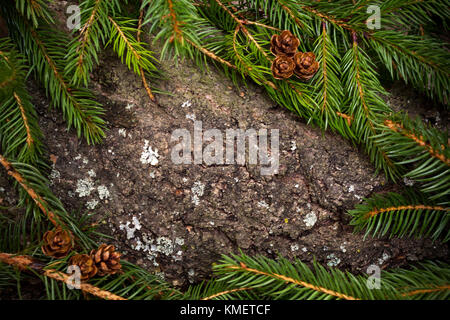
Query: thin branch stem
x=243, y=267
x=26, y=262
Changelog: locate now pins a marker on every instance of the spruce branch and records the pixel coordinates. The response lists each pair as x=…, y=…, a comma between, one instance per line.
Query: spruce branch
x=136, y=57
x=363, y=90
x=44, y=48
x=422, y=152
x=20, y=135
x=83, y=49
x=328, y=88
x=34, y=10
x=403, y=215
x=283, y=279
x=25, y=263
x=428, y=280
x=141, y=70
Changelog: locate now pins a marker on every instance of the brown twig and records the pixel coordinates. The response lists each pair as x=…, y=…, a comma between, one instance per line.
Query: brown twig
x=176, y=24
x=212, y=55
x=414, y=292
x=25, y=120
x=141, y=70
x=85, y=30
x=348, y=118
x=376, y=211
x=324, y=66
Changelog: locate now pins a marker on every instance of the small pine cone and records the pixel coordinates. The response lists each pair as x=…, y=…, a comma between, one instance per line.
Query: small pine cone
x=285, y=44
x=283, y=67
x=57, y=243
x=87, y=267
x=107, y=259
x=306, y=65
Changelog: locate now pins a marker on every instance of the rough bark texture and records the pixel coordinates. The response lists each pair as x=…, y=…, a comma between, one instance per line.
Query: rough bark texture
x=178, y=219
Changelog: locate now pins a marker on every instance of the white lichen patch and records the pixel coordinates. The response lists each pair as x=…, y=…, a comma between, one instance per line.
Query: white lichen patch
x=103, y=192
x=304, y=249
x=131, y=230
x=84, y=187
x=385, y=257
x=85, y=161
x=129, y=106
x=149, y=156
x=263, y=204
x=197, y=190
x=310, y=219
x=186, y=104
x=179, y=241
x=91, y=173
x=294, y=247
x=54, y=174
x=343, y=249
x=351, y=188
x=333, y=260
x=92, y=204
x=123, y=132
x=190, y=116
x=293, y=145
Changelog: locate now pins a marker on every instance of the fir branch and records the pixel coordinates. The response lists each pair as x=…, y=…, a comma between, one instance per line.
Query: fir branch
x=328, y=87
x=425, y=281
x=36, y=196
x=283, y=279
x=212, y=55
x=422, y=152
x=243, y=267
x=141, y=70
x=82, y=52
x=136, y=57
x=34, y=10
x=403, y=215
x=20, y=135
x=418, y=60
x=85, y=287
x=40, y=202
x=244, y=29
x=366, y=106
x=26, y=263
x=399, y=128
x=45, y=52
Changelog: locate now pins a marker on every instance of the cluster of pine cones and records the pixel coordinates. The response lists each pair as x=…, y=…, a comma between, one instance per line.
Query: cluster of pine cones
x=288, y=61
x=101, y=261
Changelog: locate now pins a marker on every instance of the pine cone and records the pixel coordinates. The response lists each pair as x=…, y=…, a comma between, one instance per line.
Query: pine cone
x=57, y=243
x=283, y=67
x=106, y=259
x=285, y=44
x=306, y=65
x=87, y=267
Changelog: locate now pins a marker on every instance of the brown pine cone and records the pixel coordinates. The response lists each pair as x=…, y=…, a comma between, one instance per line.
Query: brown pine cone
x=306, y=65
x=107, y=259
x=57, y=243
x=283, y=67
x=285, y=44
x=87, y=267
